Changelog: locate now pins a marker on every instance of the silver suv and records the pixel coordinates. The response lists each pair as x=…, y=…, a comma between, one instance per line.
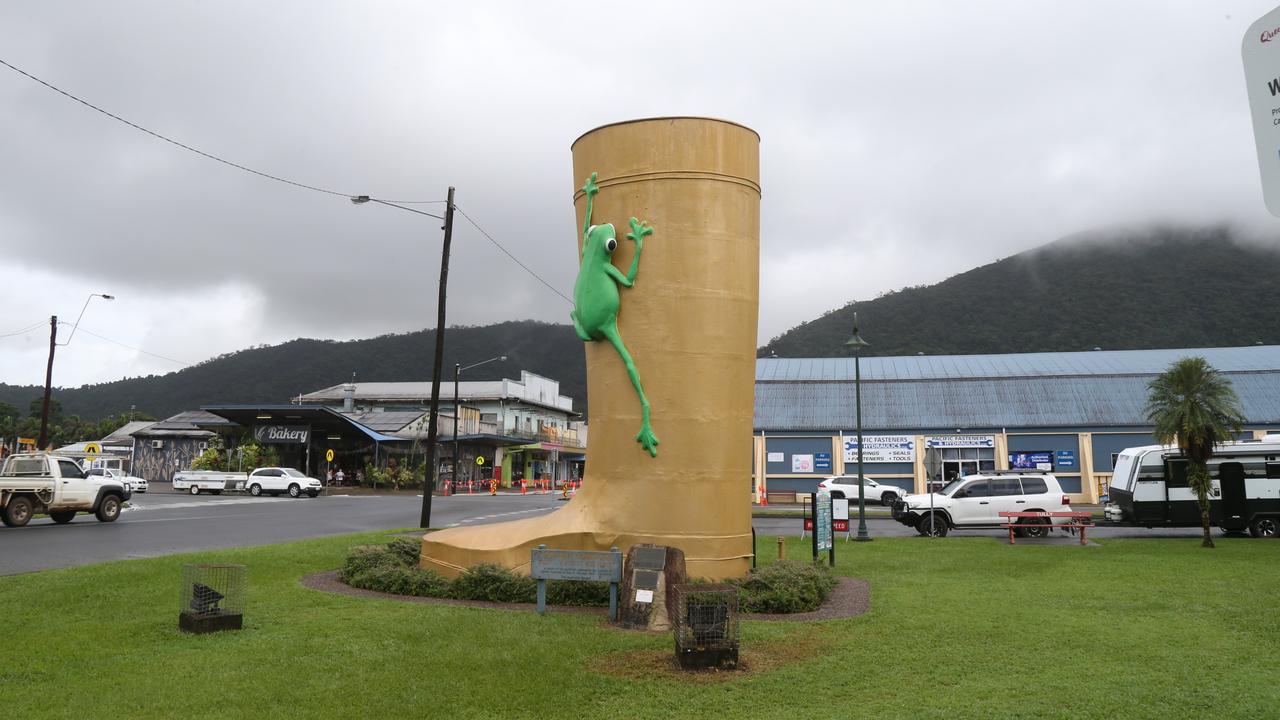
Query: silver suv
x=976, y=501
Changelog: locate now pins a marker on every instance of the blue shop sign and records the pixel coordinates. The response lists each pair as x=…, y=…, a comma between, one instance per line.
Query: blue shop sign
x=822, y=462
x=1065, y=458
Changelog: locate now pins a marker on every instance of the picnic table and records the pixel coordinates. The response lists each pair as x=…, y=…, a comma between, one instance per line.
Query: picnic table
x=1079, y=520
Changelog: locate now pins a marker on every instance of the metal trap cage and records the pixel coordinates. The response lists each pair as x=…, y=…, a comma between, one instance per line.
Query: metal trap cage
x=211, y=598
x=707, y=626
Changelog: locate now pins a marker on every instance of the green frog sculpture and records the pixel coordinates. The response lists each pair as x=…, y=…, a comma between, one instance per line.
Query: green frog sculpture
x=596, y=299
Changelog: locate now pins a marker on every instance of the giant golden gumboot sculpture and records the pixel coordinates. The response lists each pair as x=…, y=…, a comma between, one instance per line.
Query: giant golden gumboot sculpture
x=689, y=324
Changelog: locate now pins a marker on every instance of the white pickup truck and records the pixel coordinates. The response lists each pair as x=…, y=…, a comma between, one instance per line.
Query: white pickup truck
x=210, y=481
x=33, y=483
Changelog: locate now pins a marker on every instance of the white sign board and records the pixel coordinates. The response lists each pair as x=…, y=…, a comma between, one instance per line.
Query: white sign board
x=1261, y=53
x=839, y=508
x=961, y=441
x=801, y=463
x=881, y=449
x=777, y=457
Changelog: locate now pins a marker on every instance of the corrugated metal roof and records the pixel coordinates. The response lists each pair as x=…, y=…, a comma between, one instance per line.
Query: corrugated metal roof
x=1093, y=389
x=387, y=421
x=929, y=367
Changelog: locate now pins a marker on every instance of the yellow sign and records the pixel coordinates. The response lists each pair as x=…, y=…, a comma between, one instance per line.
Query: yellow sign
x=480, y=460
x=92, y=448
x=26, y=441
x=328, y=456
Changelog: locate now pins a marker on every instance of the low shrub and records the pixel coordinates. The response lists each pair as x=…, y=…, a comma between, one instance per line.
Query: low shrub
x=583, y=594
x=785, y=586
x=389, y=569
x=495, y=584
x=408, y=550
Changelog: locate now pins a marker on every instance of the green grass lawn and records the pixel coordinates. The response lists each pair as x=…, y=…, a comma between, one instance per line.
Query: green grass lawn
x=959, y=628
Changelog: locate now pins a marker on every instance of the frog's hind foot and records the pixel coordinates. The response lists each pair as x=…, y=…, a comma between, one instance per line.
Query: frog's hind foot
x=648, y=440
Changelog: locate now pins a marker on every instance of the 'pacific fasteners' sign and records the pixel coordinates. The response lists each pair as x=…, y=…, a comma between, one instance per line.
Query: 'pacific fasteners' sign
x=281, y=434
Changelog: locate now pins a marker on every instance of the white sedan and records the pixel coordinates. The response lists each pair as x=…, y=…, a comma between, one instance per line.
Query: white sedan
x=136, y=484
x=274, y=481
x=846, y=486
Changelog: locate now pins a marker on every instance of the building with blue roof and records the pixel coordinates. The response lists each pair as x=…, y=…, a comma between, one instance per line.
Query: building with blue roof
x=1065, y=412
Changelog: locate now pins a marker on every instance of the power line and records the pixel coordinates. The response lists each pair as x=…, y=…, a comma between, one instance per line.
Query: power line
x=123, y=345
x=513, y=257
x=184, y=146
x=23, y=331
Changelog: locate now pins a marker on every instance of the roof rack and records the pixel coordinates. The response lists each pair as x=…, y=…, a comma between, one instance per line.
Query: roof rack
x=1015, y=472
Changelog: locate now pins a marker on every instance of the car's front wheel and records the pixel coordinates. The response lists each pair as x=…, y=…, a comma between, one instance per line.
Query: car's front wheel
x=932, y=525
x=109, y=509
x=888, y=499
x=294, y=490
x=195, y=490
x=255, y=489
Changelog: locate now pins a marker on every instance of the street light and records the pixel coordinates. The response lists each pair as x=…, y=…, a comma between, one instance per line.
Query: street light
x=48, y=372
x=428, y=482
x=457, y=372
x=858, y=343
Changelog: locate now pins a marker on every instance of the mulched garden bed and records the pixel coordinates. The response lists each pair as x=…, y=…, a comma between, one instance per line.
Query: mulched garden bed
x=850, y=598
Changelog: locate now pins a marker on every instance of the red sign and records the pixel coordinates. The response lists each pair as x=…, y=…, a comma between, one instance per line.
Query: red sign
x=836, y=525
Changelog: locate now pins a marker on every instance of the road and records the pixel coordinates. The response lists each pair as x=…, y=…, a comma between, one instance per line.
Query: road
x=162, y=523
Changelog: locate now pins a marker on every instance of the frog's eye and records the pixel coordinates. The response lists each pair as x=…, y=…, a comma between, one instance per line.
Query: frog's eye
x=611, y=244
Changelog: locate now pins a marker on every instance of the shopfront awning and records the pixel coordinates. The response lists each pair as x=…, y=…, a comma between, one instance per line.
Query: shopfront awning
x=320, y=420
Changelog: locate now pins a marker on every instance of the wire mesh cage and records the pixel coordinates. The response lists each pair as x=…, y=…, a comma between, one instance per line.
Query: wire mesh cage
x=707, y=627
x=212, y=598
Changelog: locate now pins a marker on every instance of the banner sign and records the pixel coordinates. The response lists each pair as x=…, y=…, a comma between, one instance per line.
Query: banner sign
x=1031, y=461
x=960, y=441
x=822, y=522
x=281, y=434
x=881, y=449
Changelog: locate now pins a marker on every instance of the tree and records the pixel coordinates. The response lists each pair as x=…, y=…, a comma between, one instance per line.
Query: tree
x=1194, y=406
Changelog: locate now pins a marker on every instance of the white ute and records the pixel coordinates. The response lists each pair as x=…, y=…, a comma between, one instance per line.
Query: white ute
x=33, y=483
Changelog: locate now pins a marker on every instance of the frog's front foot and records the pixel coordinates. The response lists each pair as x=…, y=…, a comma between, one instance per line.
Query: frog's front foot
x=648, y=440
x=590, y=187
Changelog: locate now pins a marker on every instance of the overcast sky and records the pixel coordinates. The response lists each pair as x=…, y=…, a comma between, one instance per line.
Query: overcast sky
x=901, y=143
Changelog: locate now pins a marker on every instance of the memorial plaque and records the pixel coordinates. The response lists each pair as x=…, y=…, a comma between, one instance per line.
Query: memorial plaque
x=647, y=579
x=649, y=558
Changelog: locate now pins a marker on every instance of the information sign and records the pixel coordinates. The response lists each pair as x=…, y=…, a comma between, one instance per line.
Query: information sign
x=586, y=565
x=1260, y=51
x=1065, y=459
x=92, y=448
x=479, y=459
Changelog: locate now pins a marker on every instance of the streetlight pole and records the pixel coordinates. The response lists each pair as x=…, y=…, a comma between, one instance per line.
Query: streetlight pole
x=858, y=343
x=48, y=371
x=457, y=372
x=433, y=428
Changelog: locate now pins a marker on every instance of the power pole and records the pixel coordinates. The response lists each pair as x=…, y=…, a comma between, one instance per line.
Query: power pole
x=48, y=384
x=429, y=478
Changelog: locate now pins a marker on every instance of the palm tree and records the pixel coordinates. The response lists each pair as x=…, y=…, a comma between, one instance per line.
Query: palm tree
x=1194, y=406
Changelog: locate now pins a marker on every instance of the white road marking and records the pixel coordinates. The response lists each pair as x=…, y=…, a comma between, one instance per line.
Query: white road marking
x=498, y=515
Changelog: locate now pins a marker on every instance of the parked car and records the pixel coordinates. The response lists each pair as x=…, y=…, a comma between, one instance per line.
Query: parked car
x=847, y=486
x=275, y=481
x=976, y=501
x=136, y=484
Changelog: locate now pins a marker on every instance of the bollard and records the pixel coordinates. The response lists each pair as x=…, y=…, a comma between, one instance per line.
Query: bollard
x=782, y=548
x=493, y=487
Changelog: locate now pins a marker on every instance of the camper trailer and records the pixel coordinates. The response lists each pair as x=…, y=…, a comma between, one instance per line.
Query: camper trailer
x=1149, y=488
